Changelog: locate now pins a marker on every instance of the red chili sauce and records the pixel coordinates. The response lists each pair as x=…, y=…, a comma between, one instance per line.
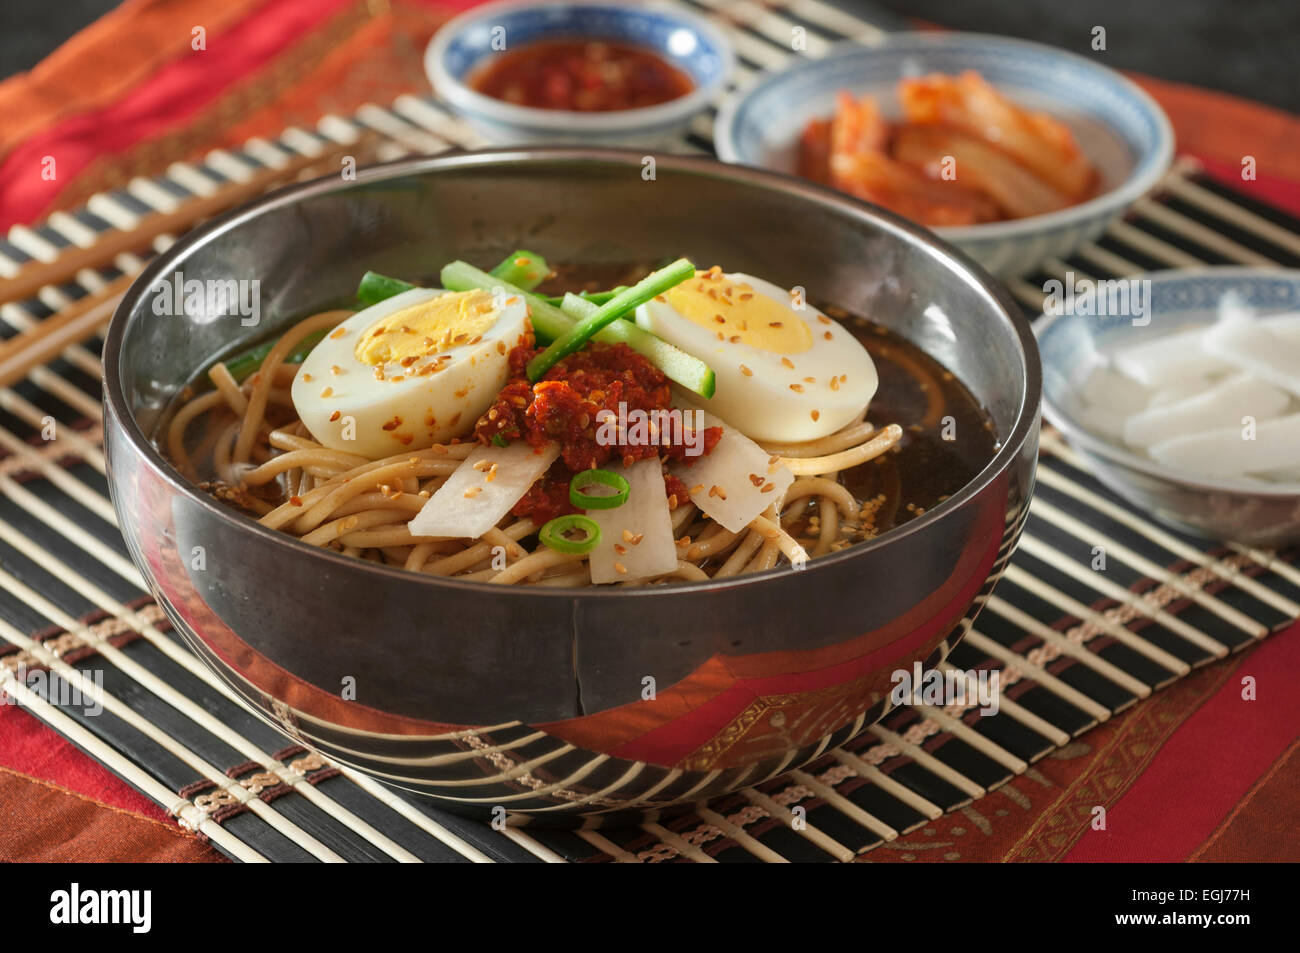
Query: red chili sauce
x=581, y=75
x=564, y=406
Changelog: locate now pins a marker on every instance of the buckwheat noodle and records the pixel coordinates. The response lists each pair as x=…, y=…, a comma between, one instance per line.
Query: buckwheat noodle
x=255, y=454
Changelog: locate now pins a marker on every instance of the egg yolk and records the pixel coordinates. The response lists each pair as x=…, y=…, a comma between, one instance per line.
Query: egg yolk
x=439, y=324
x=737, y=312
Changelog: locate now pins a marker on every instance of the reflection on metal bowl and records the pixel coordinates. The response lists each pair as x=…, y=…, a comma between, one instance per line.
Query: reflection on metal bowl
x=537, y=700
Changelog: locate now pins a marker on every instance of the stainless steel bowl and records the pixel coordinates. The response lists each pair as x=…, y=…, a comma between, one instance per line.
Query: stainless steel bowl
x=535, y=700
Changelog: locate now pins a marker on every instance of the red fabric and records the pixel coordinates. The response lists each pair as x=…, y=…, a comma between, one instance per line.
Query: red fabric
x=1208, y=765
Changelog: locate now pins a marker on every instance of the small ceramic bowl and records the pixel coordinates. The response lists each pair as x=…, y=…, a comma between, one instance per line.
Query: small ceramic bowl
x=1120, y=128
x=689, y=42
x=1253, y=512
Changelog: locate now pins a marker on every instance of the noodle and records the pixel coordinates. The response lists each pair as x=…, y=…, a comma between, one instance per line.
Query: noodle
x=267, y=463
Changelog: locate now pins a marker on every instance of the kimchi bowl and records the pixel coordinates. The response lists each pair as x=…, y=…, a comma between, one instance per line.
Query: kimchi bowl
x=1120, y=132
x=561, y=702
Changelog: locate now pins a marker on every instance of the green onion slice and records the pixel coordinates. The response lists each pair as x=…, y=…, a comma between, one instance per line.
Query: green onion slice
x=554, y=534
x=592, y=501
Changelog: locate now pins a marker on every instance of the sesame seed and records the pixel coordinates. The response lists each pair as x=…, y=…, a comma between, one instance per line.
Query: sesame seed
x=734, y=339
x=787, y=362
x=719, y=318
x=327, y=392
x=338, y=332
x=483, y=465
x=746, y=371
x=335, y=416
x=823, y=319
x=473, y=492
x=696, y=489
x=797, y=388
x=620, y=569
x=835, y=383
x=501, y=347
x=620, y=549
x=768, y=488
x=816, y=414
x=746, y=297
x=828, y=336
x=335, y=369
x=810, y=380
x=307, y=378
x=295, y=500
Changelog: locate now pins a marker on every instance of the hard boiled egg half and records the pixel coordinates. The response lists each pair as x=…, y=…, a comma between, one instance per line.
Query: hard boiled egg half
x=785, y=372
x=409, y=372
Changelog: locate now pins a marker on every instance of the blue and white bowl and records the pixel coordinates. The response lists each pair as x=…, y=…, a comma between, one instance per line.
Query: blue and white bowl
x=1071, y=344
x=687, y=41
x=1119, y=127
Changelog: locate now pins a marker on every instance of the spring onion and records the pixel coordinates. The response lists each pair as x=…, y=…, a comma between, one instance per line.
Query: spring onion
x=678, y=366
x=573, y=339
x=375, y=287
x=248, y=362
x=580, y=483
x=554, y=535
x=523, y=269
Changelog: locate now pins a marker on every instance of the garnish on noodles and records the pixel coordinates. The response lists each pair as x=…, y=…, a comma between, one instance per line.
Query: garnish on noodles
x=684, y=424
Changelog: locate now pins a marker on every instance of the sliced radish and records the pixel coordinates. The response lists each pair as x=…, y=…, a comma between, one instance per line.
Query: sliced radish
x=736, y=481
x=636, y=537
x=1221, y=406
x=482, y=490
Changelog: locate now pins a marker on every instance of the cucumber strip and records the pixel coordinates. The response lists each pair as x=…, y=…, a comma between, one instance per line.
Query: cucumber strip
x=549, y=322
x=678, y=366
x=573, y=339
x=375, y=287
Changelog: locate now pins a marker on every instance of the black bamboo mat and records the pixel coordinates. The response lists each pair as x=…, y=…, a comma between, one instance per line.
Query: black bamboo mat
x=1076, y=646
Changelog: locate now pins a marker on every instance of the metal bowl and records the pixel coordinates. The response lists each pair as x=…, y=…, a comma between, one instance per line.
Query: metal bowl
x=563, y=702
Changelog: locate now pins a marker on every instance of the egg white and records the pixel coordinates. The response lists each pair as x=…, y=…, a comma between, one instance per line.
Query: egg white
x=345, y=407
x=776, y=402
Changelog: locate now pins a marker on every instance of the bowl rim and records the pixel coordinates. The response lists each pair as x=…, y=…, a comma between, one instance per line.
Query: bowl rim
x=1024, y=427
x=473, y=103
x=1148, y=169
x=1077, y=433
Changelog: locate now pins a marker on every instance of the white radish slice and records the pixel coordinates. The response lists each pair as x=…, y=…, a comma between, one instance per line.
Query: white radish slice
x=1168, y=358
x=1102, y=422
x=1107, y=389
x=1255, y=348
x=636, y=539
x=476, y=497
x=1227, y=452
x=1180, y=390
x=1283, y=325
x=736, y=481
x=1221, y=406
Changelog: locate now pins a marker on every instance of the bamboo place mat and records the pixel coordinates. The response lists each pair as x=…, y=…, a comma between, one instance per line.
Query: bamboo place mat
x=1074, y=646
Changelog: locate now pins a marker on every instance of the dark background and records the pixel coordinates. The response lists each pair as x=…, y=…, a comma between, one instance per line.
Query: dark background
x=1246, y=47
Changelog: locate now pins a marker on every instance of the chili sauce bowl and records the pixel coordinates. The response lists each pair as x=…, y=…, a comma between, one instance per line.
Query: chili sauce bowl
x=688, y=42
